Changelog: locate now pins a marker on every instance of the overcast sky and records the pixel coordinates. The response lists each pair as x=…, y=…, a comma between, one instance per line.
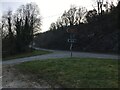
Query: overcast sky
x=50, y=10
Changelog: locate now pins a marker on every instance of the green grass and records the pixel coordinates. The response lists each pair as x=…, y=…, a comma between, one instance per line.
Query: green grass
x=27, y=54
x=74, y=72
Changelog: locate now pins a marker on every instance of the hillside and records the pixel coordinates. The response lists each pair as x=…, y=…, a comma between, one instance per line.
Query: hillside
x=100, y=35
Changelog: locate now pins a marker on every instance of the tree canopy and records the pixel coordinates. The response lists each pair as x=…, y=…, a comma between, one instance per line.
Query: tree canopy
x=20, y=28
x=95, y=32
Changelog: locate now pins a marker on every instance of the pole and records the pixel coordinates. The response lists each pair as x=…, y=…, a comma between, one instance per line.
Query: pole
x=71, y=50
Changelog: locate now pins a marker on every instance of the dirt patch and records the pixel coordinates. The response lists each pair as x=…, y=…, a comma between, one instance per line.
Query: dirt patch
x=12, y=78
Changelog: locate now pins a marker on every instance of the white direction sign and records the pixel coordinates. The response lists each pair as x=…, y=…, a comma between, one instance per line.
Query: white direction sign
x=72, y=40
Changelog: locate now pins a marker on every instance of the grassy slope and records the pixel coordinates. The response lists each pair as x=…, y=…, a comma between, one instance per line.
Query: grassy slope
x=74, y=72
x=28, y=54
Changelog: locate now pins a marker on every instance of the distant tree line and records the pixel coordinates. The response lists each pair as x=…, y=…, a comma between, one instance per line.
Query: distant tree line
x=71, y=17
x=97, y=29
x=76, y=16
x=18, y=29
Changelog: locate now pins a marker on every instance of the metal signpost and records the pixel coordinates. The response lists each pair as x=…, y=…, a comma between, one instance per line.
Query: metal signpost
x=72, y=39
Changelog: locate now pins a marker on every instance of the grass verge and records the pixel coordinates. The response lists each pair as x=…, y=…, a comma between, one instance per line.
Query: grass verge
x=27, y=54
x=74, y=72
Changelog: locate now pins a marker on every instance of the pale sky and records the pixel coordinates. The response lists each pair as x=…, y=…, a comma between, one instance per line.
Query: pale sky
x=50, y=10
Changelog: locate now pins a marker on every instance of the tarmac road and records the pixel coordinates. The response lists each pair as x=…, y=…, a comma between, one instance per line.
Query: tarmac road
x=60, y=54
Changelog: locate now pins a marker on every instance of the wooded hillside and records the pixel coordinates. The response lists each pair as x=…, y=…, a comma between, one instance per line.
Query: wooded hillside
x=98, y=34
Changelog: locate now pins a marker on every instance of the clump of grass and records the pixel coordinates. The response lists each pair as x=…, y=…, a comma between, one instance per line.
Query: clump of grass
x=74, y=72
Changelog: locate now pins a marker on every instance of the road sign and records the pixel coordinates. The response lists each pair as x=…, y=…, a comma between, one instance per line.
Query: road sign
x=71, y=40
x=71, y=30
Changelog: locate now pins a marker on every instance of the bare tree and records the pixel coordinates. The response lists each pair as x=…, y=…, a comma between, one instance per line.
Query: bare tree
x=64, y=18
x=91, y=16
x=59, y=23
x=107, y=5
x=27, y=23
x=7, y=24
x=2, y=32
x=8, y=36
x=52, y=26
x=81, y=12
x=31, y=11
x=71, y=15
x=100, y=6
